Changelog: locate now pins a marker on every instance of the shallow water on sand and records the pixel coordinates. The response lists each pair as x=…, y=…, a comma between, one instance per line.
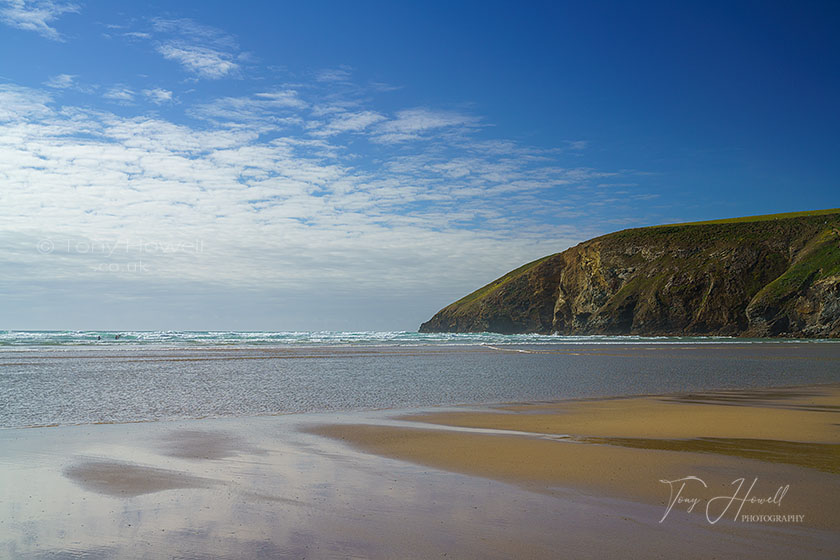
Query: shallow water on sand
x=78, y=384
x=263, y=488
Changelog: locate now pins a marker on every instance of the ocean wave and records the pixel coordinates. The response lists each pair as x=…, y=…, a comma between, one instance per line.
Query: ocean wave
x=19, y=339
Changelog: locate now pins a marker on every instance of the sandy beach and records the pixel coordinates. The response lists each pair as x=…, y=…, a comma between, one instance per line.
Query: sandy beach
x=578, y=479
x=625, y=448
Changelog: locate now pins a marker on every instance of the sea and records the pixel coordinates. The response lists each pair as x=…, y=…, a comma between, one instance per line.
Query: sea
x=50, y=378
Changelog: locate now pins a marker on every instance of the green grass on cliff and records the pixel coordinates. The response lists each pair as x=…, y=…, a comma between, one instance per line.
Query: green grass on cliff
x=762, y=218
x=819, y=257
x=496, y=284
x=734, y=230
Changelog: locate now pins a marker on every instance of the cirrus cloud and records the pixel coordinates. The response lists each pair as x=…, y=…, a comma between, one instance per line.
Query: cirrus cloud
x=413, y=124
x=35, y=15
x=158, y=96
x=202, y=61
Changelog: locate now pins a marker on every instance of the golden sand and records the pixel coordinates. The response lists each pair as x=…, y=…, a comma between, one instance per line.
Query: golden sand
x=794, y=414
x=624, y=447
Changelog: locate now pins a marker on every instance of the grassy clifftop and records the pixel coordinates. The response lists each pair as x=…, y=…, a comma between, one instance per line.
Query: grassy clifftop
x=776, y=275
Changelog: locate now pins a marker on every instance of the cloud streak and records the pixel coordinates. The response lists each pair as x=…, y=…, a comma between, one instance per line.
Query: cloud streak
x=35, y=15
x=346, y=122
x=202, y=50
x=120, y=94
x=202, y=61
x=61, y=81
x=158, y=96
x=417, y=123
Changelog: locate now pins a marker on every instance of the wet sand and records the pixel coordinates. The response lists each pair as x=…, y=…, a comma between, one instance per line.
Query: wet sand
x=626, y=447
x=419, y=485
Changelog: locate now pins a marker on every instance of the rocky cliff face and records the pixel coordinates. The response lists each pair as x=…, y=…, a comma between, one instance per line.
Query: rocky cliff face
x=765, y=276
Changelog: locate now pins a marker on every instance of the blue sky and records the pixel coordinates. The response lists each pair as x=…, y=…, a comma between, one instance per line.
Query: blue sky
x=358, y=165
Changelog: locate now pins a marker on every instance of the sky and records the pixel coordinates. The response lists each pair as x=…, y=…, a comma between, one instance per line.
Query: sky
x=359, y=165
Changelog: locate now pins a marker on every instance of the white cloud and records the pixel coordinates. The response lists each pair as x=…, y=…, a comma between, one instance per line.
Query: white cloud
x=265, y=110
x=20, y=103
x=61, y=81
x=283, y=98
x=383, y=87
x=347, y=122
x=330, y=109
x=333, y=75
x=203, y=50
x=412, y=124
x=158, y=96
x=190, y=30
x=35, y=15
x=203, y=61
x=119, y=93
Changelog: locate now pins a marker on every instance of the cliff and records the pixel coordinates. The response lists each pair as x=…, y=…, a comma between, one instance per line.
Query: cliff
x=762, y=276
